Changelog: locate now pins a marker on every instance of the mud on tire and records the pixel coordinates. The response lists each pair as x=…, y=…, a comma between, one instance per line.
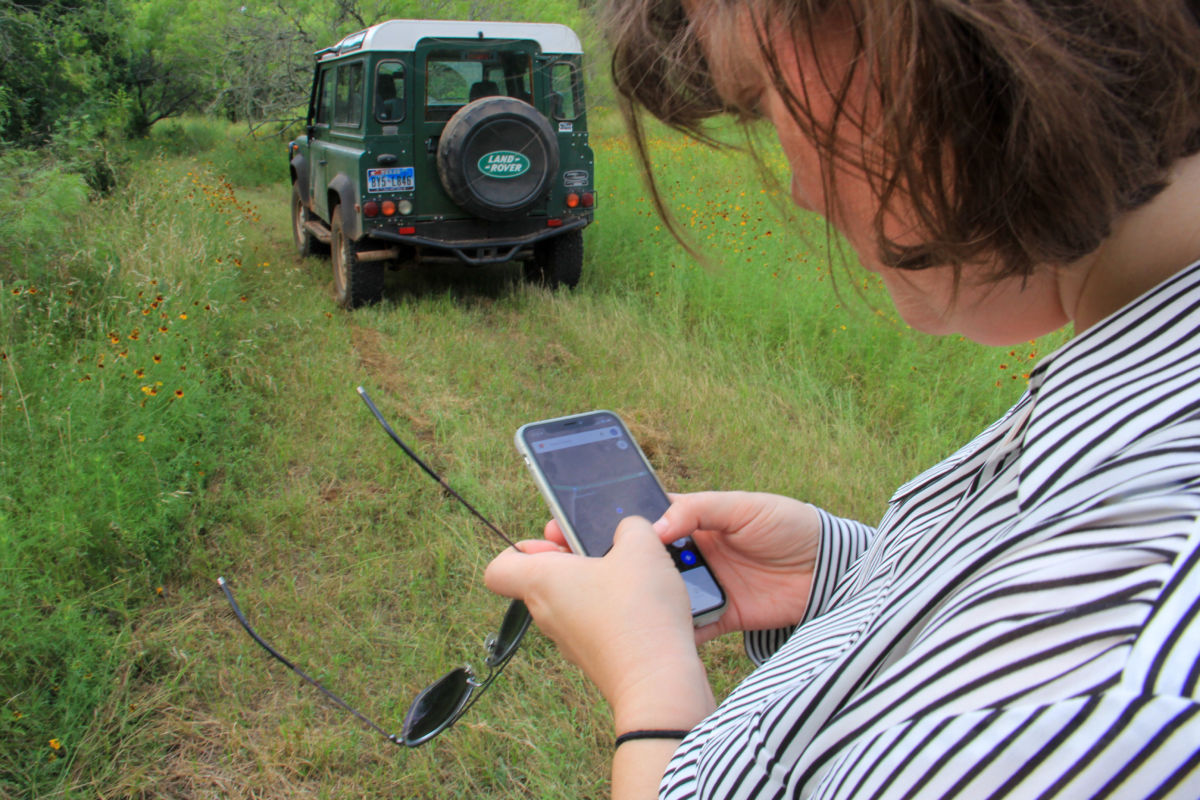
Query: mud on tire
x=354, y=283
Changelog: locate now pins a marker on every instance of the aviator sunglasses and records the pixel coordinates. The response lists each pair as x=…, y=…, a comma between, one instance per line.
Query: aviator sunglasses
x=443, y=702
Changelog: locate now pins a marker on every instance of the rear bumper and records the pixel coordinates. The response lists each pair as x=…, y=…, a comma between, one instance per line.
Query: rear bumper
x=477, y=243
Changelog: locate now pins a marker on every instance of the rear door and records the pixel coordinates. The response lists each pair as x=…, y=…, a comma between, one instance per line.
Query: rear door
x=449, y=74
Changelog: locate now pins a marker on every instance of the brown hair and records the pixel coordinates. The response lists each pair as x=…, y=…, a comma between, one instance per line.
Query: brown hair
x=1016, y=130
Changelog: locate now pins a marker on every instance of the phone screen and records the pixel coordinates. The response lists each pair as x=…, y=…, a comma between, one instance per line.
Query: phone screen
x=598, y=476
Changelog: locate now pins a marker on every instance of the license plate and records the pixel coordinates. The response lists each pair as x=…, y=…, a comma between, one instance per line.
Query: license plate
x=391, y=179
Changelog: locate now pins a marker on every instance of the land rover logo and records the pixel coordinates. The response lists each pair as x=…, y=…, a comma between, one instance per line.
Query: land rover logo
x=503, y=164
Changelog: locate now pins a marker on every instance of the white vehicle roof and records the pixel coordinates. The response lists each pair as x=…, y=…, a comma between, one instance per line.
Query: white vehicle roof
x=403, y=34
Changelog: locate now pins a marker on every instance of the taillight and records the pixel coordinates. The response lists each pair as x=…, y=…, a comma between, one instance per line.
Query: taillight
x=408, y=231
x=389, y=208
x=572, y=200
x=370, y=209
x=588, y=199
x=554, y=222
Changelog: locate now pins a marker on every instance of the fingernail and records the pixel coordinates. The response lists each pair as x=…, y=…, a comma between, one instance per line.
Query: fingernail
x=661, y=526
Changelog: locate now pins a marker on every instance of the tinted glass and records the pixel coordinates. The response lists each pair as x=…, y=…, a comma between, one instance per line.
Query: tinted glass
x=436, y=706
x=512, y=628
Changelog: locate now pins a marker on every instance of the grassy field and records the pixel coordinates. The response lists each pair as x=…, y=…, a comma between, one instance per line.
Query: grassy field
x=177, y=402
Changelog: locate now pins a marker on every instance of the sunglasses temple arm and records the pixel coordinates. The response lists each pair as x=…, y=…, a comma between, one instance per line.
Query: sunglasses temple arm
x=237, y=612
x=428, y=471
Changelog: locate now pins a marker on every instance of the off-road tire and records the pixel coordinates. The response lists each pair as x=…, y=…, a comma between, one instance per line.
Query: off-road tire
x=354, y=283
x=488, y=125
x=557, y=261
x=306, y=243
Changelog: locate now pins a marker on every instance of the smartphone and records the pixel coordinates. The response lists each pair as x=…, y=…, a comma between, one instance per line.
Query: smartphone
x=593, y=474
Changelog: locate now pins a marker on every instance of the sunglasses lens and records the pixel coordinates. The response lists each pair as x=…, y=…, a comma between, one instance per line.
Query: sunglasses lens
x=436, y=707
x=512, y=629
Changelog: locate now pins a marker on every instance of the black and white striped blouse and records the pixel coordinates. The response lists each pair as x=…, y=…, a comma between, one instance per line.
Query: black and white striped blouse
x=1024, y=620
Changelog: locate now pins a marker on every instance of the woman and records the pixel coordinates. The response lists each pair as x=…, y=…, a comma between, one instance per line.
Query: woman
x=1024, y=621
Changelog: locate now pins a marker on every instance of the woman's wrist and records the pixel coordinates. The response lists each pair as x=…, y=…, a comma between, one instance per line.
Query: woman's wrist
x=673, y=696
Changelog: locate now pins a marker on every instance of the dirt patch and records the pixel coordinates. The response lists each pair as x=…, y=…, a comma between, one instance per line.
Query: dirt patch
x=387, y=371
x=665, y=456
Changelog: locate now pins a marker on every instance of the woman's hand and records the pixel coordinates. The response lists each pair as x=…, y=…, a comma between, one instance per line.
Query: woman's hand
x=761, y=547
x=625, y=619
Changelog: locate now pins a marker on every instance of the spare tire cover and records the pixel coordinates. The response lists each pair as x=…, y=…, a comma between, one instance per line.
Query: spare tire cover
x=497, y=157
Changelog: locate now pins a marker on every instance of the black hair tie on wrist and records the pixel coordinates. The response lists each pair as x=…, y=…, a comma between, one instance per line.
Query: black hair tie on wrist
x=649, y=734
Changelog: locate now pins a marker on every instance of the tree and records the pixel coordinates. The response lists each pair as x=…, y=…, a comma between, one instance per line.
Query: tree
x=267, y=72
x=169, y=60
x=57, y=66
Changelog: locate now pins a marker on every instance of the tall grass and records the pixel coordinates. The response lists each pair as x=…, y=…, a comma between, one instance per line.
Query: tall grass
x=117, y=335
x=774, y=367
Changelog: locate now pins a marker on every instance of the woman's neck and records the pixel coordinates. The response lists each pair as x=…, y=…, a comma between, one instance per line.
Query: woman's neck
x=1147, y=246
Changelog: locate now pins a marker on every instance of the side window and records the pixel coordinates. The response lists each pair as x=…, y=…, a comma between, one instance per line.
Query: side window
x=348, y=104
x=325, y=99
x=564, y=91
x=389, y=91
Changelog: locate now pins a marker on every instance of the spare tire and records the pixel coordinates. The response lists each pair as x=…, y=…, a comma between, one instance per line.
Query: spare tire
x=497, y=157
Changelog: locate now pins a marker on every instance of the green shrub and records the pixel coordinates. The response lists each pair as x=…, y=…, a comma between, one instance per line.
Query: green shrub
x=114, y=413
x=38, y=200
x=249, y=158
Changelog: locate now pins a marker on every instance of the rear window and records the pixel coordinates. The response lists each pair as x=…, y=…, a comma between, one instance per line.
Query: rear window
x=454, y=78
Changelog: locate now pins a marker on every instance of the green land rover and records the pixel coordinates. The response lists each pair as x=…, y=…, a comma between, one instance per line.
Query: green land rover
x=430, y=141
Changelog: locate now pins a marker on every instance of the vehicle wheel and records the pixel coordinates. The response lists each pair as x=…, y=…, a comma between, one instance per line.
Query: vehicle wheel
x=557, y=261
x=306, y=243
x=497, y=157
x=354, y=283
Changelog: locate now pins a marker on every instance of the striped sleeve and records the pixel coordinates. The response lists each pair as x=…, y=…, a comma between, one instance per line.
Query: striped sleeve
x=841, y=542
